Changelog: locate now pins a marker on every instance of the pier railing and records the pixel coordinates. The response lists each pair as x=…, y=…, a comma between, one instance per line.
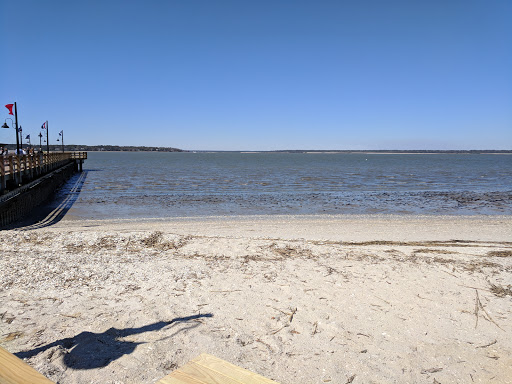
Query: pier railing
x=17, y=169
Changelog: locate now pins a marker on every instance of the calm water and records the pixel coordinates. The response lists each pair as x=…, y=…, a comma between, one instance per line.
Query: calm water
x=125, y=185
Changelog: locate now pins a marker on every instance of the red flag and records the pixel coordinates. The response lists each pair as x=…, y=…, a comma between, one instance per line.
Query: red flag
x=9, y=107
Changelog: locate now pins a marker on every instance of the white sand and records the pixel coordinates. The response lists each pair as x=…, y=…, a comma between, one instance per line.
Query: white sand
x=374, y=299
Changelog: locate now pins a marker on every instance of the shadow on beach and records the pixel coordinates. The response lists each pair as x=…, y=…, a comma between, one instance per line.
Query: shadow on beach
x=89, y=350
x=54, y=210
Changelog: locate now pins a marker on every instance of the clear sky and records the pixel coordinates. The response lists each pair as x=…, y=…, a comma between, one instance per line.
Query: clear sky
x=261, y=75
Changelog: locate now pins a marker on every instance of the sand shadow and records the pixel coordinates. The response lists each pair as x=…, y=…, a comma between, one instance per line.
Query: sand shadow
x=55, y=209
x=89, y=350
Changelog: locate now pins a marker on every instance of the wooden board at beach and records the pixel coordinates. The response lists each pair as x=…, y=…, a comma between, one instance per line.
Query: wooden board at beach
x=15, y=371
x=208, y=369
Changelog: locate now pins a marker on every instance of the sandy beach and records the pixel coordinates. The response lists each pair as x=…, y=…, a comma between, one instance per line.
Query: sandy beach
x=298, y=299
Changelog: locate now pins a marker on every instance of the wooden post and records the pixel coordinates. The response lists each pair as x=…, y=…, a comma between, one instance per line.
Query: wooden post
x=18, y=170
x=24, y=167
x=40, y=157
x=3, y=184
x=31, y=167
x=12, y=171
x=35, y=157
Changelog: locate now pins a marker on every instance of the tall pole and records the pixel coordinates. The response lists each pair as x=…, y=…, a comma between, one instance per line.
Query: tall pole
x=47, y=139
x=40, y=143
x=21, y=138
x=16, y=122
x=62, y=134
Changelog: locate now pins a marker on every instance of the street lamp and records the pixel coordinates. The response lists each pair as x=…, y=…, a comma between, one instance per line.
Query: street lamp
x=40, y=144
x=61, y=133
x=20, y=130
x=17, y=138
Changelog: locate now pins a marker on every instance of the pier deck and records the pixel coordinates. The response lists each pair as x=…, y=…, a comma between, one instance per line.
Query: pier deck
x=18, y=169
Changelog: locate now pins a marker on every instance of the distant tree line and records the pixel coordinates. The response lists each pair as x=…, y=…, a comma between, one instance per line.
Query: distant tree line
x=469, y=151
x=113, y=148
x=132, y=148
x=474, y=151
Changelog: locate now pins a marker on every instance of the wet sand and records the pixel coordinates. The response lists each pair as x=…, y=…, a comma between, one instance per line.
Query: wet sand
x=298, y=299
x=109, y=205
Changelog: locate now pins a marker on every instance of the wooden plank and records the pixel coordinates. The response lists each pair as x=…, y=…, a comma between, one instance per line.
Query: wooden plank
x=205, y=375
x=208, y=369
x=15, y=371
x=178, y=377
x=237, y=373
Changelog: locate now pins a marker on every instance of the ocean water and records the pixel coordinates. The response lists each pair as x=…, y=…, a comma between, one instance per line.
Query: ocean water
x=148, y=184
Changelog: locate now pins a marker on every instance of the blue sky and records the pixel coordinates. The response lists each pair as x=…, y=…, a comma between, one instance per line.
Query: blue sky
x=261, y=75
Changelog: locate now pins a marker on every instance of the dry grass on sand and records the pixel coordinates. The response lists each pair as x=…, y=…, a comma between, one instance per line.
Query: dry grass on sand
x=130, y=302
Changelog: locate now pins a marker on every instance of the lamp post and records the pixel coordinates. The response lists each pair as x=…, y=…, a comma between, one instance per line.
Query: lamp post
x=20, y=130
x=6, y=126
x=47, y=139
x=40, y=144
x=16, y=121
x=61, y=134
x=17, y=137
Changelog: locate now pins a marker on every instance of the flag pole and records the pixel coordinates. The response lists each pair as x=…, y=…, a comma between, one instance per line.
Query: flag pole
x=47, y=139
x=16, y=120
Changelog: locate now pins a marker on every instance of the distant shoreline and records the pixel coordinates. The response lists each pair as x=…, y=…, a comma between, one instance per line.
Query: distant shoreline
x=383, y=152
x=369, y=152
x=128, y=148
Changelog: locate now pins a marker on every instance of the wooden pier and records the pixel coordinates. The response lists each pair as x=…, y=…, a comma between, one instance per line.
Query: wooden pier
x=16, y=170
x=27, y=181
